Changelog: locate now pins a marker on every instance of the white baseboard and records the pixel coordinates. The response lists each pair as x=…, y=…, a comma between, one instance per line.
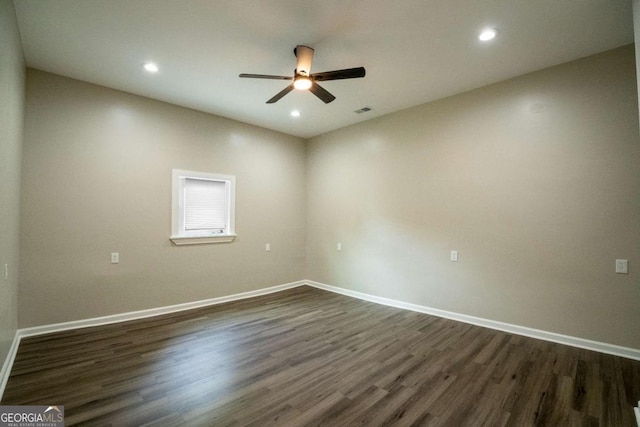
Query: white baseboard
x=8, y=363
x=630, y=353
x=615, y=350
x=141, y=314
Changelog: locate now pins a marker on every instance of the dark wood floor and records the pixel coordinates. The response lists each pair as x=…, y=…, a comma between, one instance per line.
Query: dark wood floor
x=308, y=357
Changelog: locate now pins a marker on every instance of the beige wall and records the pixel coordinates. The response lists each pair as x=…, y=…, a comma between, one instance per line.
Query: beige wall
x=11, y=126
x=97, y=179
x=533, y=180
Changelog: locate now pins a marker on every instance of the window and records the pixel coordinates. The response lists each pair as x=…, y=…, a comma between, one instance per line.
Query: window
x=203, y=208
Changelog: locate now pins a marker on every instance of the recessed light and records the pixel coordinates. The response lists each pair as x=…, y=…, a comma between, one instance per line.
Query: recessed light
x=487, y=34
x=150, y=67
x=295, y=113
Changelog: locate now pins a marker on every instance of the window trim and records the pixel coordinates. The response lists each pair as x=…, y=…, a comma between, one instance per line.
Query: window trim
x=191, y=238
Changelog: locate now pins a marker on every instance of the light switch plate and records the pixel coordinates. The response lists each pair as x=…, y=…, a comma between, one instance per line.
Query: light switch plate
x=115, y=257
x=622, y=266
x=454, y=256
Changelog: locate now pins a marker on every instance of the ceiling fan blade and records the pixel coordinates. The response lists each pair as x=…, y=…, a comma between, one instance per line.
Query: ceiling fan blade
x=265, y=76
x=321, y=93
x=349, y=73
x=280, y=94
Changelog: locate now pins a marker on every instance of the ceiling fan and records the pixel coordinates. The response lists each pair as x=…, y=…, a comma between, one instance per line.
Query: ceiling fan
x=304, y=80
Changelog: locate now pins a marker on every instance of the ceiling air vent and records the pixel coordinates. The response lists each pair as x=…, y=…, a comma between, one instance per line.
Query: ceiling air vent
x=362, y=110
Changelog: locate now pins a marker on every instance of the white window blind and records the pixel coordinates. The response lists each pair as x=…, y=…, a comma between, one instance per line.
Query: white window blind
x=205, y=205
x=202, y=207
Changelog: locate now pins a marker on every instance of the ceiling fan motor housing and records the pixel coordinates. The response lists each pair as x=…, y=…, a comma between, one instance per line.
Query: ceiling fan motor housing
x=304, y=54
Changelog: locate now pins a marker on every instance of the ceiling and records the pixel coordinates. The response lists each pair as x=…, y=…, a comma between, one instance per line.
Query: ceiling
x=414, y=51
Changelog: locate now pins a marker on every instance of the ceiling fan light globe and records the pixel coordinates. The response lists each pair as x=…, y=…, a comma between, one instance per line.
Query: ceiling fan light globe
x=302, y=83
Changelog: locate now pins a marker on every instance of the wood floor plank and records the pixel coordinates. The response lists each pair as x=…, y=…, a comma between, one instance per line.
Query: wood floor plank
x=306, y=357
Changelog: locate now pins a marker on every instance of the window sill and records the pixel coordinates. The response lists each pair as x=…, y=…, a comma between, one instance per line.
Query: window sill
x=201, y=240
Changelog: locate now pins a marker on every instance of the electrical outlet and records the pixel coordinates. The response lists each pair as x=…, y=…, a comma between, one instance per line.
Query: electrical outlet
x=339, y=246
x=267, y=247
x=622, y=266
x=454, y=256
x=115, y=257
